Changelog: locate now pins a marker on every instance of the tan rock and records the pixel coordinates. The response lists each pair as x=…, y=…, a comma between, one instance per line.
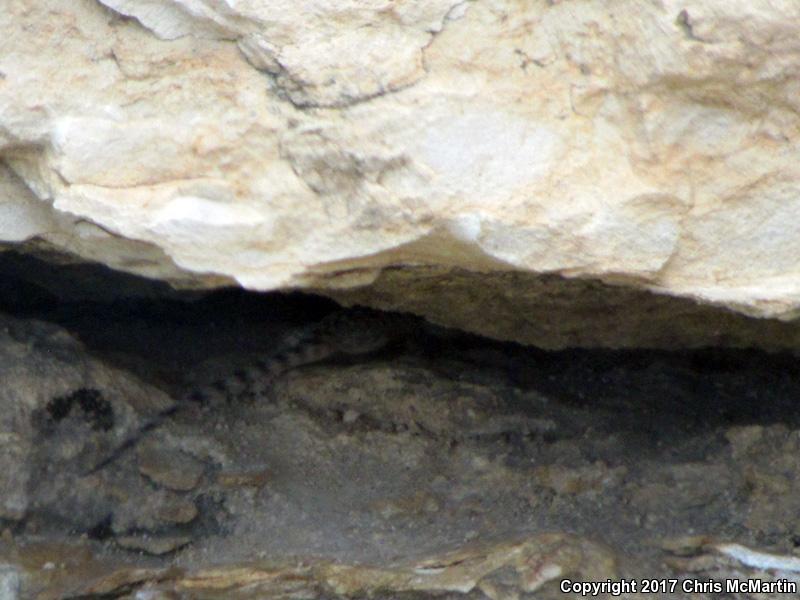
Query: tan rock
x=172, y=469
x=330, y=146
x=156, y=545
x=180, y=512
x=243, y=479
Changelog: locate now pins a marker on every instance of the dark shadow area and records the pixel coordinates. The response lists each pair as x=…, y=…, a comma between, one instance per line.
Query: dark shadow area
x=656, y=392
x=432, y=441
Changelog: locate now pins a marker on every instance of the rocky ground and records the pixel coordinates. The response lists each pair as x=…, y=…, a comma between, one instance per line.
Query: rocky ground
x=449, y=466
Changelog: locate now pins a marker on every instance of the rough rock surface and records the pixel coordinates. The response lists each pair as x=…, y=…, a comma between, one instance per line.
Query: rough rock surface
x=59, y=410
x=653, y=145
x=452, y=467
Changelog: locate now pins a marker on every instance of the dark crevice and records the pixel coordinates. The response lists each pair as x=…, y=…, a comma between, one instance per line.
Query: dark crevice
x=101, y=531
x=119, y=316
x=399, y=451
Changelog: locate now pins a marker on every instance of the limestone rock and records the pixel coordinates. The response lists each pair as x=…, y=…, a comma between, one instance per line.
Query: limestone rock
x=151, y=545
x=323, y=145
x=172, y=470
x=450, y=467
x=61, y=412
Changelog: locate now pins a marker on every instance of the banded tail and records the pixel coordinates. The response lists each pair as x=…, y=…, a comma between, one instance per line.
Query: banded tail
x=351, y=333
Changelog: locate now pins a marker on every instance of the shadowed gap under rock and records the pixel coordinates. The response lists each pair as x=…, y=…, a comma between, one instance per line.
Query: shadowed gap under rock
x=447, y=441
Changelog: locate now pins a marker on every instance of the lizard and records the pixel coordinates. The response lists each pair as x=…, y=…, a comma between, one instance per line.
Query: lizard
x=351, y=332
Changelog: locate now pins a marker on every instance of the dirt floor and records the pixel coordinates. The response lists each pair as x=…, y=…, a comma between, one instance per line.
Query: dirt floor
x=443, y=466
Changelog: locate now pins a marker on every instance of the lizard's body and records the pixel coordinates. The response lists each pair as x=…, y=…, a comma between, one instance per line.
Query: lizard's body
x=344, y=333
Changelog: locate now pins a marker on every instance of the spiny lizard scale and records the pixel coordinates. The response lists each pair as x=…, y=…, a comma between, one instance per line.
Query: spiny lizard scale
x=352, y=332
